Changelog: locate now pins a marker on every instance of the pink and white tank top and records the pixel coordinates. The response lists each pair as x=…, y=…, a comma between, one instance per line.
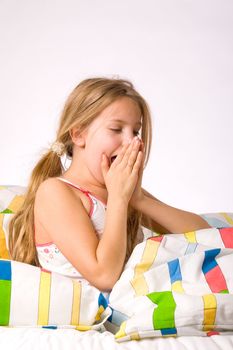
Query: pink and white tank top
x=52, y=259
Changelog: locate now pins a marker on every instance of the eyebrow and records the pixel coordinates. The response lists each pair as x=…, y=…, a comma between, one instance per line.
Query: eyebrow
x=123, y=122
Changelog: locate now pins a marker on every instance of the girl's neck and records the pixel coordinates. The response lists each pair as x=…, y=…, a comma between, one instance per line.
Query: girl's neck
x=95, y=188
x=79, y=174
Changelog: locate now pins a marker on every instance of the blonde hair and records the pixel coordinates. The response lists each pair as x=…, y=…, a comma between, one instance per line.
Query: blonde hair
x=83, y=105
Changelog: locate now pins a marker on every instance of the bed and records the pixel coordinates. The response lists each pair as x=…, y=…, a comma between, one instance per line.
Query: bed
x=176, y=292
x=38, y=339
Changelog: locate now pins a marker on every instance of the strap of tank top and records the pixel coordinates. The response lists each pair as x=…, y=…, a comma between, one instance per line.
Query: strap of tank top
x=87, y=193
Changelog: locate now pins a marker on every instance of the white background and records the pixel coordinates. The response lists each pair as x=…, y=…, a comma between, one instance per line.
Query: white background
x=177, y=53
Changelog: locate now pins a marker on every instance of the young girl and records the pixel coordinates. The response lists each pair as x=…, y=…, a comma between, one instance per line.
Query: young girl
x=84, y=222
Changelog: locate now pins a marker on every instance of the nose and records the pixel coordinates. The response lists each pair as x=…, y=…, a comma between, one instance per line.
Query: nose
x=127, y=139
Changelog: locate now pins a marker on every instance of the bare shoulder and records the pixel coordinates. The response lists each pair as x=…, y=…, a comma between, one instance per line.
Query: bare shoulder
x=56, y=208
x=53, y=191
x=50, y=184
x=53, y=186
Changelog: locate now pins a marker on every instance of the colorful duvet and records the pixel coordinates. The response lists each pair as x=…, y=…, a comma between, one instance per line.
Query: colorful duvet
x=177, y=284
x=172, y=285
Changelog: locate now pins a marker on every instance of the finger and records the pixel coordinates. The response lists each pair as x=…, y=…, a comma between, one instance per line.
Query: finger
x=120, y=155
x=142, y=147
x=143, y=159
x=124, y=157
x=138, y=162
x=131, y=155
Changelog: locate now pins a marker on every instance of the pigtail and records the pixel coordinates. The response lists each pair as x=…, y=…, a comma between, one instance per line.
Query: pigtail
x=21, y=227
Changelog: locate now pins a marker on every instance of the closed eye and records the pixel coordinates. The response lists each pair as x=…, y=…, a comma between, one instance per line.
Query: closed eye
x=136, y=133
x=116, y=130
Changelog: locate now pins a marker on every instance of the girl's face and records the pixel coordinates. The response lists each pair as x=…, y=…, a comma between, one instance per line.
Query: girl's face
x=116, y=125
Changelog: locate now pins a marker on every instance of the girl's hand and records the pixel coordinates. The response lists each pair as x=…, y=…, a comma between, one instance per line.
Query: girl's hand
x=122, y=175
x=138, y=194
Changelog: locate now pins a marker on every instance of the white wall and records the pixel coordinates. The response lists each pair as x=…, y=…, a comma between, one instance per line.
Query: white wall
x=179, y=55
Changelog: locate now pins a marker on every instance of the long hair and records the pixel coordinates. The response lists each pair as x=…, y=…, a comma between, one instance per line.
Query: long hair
x=84, y=104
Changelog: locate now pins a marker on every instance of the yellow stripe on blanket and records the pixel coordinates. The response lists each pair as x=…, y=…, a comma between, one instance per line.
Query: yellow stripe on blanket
x=44, y=298
x=177, y=287
x=77, y=290
x=139, y=283
x=83, y=328
x=121, y=333
x=210, y=306
x=227, y=218
x=191, y=236
x=99, y=313
x=135, y=336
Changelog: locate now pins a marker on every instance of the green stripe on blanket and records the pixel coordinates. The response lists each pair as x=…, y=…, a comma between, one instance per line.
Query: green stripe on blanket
x=164, y=314
x=5, y=292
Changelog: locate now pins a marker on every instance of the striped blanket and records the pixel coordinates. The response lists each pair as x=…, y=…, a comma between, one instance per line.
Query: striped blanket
x=177, y=284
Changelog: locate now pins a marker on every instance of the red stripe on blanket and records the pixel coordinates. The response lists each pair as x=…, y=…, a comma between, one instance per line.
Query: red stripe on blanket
x=227, y=236
x=157, y=239
x=216, y=280
x=209, y=334
x=44, y=270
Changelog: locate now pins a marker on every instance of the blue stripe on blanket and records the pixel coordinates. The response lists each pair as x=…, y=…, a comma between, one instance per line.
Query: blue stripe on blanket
x=174, y=270
x=5, y=270
x=209, y=261
x=169, y=331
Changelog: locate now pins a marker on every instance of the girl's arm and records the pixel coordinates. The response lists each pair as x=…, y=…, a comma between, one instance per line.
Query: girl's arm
x=162, y=218
x=68, y=225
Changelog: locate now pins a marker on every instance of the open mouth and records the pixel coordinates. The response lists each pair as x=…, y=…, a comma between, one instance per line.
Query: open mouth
x=112, y=159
